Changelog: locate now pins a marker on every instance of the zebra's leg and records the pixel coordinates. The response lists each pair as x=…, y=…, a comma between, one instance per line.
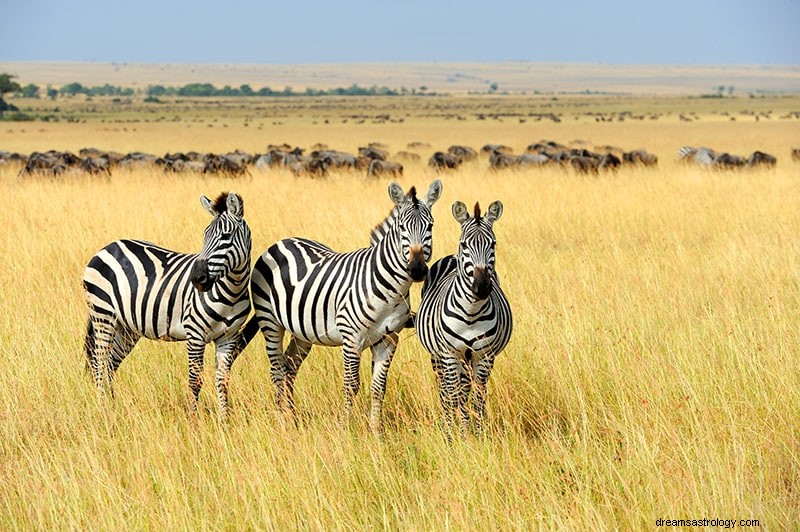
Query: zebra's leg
x=482, y=370
x=99, y=342
x=296, y=353
x=195, y=348
x=448, y=392
x=124, y=342
x=352, y=383
x=382, y=353
x=273, y=340
x=464, y=388
x=225, y=355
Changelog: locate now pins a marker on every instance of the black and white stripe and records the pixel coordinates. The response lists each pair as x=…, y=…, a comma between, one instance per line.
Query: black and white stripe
x=464, y=319
x=355, y=300
x=136, y=289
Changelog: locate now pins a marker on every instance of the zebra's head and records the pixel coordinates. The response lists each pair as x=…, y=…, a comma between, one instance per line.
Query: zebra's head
x=413, y=226
x=476, y=246
x=226, y=245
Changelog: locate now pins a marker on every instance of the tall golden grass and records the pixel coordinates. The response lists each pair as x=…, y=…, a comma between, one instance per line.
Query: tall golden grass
x=653, y=372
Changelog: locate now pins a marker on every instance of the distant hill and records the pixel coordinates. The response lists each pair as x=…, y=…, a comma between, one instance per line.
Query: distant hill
x=513, y=77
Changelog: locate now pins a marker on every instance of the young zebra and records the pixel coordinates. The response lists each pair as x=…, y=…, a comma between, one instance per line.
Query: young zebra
x=135, y=288
x=354, y=300
x=464, y=319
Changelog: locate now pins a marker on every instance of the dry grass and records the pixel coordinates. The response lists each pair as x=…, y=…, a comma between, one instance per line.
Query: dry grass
x=653, y=371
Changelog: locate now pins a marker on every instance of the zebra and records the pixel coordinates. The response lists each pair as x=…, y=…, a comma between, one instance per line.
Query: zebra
x=464, y=320
x=137, y=289
x=354, y=300
x=702, y=156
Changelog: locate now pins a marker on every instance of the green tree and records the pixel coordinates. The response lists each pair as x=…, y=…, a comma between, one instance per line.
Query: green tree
x=71, y=89
x=30, y=91
x=7, y=86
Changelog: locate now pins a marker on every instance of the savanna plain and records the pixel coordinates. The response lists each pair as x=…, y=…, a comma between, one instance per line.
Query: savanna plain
x=654, y=369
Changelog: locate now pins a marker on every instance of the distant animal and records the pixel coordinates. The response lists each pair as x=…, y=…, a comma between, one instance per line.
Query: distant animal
x=417, y=145
x=465, y=152
x=407, y=156
x=378, y=168
x=356, y=300
x=464, y=319
x=137, y=289
x=372, y=152
x=444, y=161
x=796, y=154
x=759, y=158
x=489, y=149
x=641, y=157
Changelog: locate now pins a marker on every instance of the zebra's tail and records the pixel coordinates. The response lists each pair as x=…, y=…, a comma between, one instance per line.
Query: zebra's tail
x=88, y=346
x=247, y=334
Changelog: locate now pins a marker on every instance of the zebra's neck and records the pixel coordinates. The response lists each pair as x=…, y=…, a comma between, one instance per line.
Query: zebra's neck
x=461, y=290
x=232, y=287
x=383, y=228
x=387, y=262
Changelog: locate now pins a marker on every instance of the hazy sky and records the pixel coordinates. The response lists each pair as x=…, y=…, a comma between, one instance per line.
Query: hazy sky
x=323, y=31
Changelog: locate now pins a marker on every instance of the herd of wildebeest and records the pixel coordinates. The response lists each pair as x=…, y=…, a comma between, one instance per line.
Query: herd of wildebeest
x=374, y=159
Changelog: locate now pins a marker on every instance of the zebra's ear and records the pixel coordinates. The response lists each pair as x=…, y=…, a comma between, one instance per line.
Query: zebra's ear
x=494, y=212
x=396, y=193
x=434, y=193
x=460, y=212
x=235, y=205
x=208, y=205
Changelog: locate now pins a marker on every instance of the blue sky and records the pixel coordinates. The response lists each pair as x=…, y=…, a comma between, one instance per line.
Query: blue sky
x=702, y=32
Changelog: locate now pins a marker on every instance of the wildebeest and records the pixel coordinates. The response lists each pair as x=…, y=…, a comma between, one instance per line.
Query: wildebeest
x=379, y=168
x=337, y=160
x=489, y=149
x=501, y=160
x=417, y=145
x=465, y=152
x=407, y=156
x=51, y=163
x=231, y=164
x=444, y=161
x=759, y=158
x=372, y=152
x=96, y=165
x=640, y=156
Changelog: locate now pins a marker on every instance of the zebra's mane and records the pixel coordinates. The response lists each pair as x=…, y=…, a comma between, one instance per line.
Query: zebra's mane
x=220, y=204
x=477, y=211
x=380, y=230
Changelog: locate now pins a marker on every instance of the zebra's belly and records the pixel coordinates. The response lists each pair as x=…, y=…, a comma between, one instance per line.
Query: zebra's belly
x=386, y=321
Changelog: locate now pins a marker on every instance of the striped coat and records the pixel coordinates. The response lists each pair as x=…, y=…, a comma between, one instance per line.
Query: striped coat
x=136, y=289
x=357, y=300
x=464, y=319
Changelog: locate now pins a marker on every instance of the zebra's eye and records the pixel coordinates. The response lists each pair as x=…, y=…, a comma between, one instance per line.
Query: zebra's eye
x=464, y=246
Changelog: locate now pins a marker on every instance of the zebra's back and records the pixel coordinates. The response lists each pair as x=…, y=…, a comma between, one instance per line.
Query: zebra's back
x=143, y=285
x=301, y=284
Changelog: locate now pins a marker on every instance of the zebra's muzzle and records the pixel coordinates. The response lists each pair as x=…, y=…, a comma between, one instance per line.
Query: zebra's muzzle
x=417, y=268
x=200, y=276
x=481, y=283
